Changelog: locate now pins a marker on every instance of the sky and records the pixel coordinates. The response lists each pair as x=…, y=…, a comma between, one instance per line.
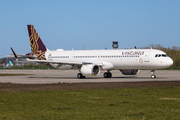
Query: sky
x=68, y=24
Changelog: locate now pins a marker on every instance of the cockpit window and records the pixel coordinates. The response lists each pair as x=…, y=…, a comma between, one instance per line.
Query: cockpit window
x=161, y=55
x=164, y=55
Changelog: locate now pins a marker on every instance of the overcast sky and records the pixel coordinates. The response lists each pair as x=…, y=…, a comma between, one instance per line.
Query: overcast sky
x=67, y=24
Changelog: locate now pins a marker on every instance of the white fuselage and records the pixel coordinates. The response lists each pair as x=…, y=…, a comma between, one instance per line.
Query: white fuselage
x=114, y=59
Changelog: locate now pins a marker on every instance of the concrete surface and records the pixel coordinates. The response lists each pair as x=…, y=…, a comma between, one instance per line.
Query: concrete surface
x=67, y=76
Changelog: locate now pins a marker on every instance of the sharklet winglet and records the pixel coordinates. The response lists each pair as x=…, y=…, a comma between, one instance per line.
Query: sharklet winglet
x=14, y=53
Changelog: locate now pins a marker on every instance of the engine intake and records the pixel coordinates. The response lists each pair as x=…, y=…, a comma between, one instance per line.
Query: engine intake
x=90, y=70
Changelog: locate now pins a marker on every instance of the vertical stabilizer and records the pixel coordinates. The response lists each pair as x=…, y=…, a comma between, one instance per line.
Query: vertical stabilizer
x=35, y=40
x=37, y=46
x=10, y=63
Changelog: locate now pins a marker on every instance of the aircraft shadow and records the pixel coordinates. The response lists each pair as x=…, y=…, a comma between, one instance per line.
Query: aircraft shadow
x=141, y=78
x=135, y=78
x=53, y=77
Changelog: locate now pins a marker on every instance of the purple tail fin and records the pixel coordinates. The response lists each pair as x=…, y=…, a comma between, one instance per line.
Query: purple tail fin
x=35, y=40
x=37, y=46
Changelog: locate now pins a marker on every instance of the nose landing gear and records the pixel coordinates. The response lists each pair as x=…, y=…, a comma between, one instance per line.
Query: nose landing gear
x=153, y=76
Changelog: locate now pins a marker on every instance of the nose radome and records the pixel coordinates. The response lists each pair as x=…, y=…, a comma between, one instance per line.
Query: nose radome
x=169, y=62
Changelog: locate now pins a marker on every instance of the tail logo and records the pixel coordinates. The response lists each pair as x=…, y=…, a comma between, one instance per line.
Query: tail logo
x=37, y=46
x=33, y=40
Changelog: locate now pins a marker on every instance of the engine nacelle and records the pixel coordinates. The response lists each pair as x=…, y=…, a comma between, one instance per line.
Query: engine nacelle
x=130, y=71
x=90, y=70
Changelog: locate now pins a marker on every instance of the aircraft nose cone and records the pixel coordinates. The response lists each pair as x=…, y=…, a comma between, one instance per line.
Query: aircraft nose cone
x=169, y=62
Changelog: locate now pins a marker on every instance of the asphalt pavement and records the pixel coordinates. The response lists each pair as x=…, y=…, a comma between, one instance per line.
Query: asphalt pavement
x=70, y=76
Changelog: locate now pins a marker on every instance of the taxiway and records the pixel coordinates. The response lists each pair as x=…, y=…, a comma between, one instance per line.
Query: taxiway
x=67, y=76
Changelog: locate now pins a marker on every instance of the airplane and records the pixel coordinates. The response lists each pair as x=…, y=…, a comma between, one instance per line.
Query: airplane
x=7, y=61
x=92, y=62
x=10, y=59
x=10, y=63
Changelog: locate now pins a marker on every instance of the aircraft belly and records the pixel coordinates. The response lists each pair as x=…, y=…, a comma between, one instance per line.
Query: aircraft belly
x=137, y=63
x=124, y=64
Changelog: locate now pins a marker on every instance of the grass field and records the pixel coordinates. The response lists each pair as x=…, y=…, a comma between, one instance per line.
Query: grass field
x=1, y=74
x=154, y=103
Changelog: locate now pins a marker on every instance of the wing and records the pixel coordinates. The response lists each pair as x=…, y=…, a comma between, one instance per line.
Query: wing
x=67, y=62
x=103, y=64
x=23, y=57
x=56, y=62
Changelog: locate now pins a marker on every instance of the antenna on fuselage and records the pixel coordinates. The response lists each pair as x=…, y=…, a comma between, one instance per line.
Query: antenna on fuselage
x=84, y=46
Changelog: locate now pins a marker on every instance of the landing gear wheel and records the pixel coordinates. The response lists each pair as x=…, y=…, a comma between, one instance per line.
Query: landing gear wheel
x=107, y=75
x=153, y=76
x=80, y=76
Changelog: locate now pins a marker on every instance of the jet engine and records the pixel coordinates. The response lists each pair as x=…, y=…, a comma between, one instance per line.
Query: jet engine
x=130, y=71
x=90, y=70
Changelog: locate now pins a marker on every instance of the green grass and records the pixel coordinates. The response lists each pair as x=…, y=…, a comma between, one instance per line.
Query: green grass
x=1, y=74
x=158, y=103
x=43, y=68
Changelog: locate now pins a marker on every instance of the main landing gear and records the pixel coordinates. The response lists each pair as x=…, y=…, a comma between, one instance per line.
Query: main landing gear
x=153, y=76
x=80, y=76
x=107, y=75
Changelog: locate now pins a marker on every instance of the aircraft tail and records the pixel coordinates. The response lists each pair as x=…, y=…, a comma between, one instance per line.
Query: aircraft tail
x=35, y=40
x=10, y=63
x=37, y=46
